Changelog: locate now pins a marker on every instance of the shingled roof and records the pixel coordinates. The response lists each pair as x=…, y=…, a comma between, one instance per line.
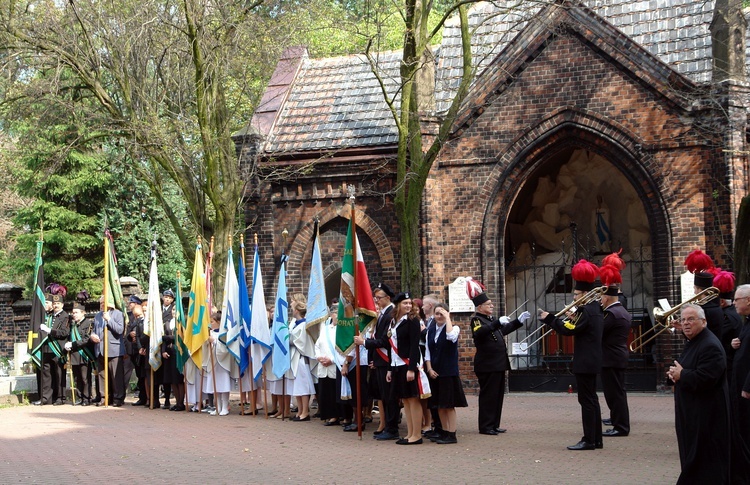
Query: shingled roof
x=336, y=103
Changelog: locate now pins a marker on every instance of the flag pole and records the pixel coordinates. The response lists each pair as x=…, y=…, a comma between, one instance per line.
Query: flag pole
x=200, y=385
x=284, y=235
x=242, y=255
x=211, y=349
x=151, y=335
x=181, y=343
x=106, y=333
x=72, y=381
x=358, y=374
x=263, y=370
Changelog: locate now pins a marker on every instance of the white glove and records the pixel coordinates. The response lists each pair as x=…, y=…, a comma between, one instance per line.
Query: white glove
x=524, y=317
x=68, y=346
x=44, y=328
x=504, y=320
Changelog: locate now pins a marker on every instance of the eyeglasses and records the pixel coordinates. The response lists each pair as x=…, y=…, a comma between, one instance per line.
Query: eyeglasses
x=742, y=298
x=690, y=320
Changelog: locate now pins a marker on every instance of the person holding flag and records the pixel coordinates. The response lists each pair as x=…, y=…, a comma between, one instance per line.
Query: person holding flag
x=283, y=386
x=81, y=346
x=41, y=311
x=196, y=330
x=54, y=356
x=302, y=349
x=153, y=330
x=173, y=379
x=112, y=320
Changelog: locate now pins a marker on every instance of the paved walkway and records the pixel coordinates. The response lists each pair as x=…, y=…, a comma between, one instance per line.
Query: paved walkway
x=67, y=444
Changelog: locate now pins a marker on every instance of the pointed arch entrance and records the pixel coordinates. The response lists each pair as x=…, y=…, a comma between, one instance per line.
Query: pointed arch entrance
x=573, y=187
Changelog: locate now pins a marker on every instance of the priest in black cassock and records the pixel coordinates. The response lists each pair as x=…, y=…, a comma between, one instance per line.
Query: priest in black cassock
x=701, y=400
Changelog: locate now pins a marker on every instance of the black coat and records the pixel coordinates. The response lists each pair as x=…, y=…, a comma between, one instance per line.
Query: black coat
x=714, y=317
x=587, y=328
x=488, y=333
x=701, y=403
x=379, y=339
x=740, y=380
x=729, y=332
x=615, y=332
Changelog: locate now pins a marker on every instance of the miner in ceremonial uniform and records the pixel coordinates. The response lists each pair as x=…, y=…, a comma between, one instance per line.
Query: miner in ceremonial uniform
x=615, y=332
x=703, y=269
x=724, y=282
x=491, y=358
x=53, y=365
x=82, y=347
x=585, y=324
x=701, y=401
x=112, y=319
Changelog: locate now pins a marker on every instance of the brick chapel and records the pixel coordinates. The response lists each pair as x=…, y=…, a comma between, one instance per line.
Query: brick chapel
x=590, y=126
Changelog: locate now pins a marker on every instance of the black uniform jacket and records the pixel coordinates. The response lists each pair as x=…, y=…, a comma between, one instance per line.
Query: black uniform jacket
x=380, y=339
x=59, y=330
x=587, y=327
x=741, y=367
x=616, y=330
x=407, y=339
x=714, y=317
x=85, y=327
x=488, y=332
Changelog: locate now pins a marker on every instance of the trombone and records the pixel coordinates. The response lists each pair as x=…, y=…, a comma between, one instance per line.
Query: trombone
x=592, y=295
x=664, y=317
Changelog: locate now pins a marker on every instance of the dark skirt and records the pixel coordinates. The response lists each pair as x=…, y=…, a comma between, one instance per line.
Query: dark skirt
x=400, y=387
x=327, y=405
x=447, y=393
x=171, y=374
x=372, y=384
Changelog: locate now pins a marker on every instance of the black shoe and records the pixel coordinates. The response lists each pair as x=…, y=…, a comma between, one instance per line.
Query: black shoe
x=377, y=433
x=607, y=422
x=331, y=423
x=85, y=403
x=613, y=432
x=39, y=403
x=117, y=404
x=404, y=441
x=448, y=439
x=489, y=432
x=501, y=430
x=166, y=405
x=306, y=418
x=351, y=427
x=599, y=445
x=96, y=400
x=179, y=407
x=157, y=405
x=58, y=403
x=582, y=445
x=140, y=403
x=386, y=436
x=432, y=434
x=78, y=403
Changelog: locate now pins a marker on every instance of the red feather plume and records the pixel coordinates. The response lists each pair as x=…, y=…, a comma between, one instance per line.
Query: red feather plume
x=585, y=271
x=615, y=260
x=724, y=281
x=610, y=275
x=698, y=261
x=473, y=287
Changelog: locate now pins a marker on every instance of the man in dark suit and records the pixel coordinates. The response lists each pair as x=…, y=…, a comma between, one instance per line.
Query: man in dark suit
x=113, y=320
x=585, y=324
x=53, y=363
x=701, y=400
x=616, y=329
x=378, y=348
x=491, y=359
x=739, y=390
x=82, y=349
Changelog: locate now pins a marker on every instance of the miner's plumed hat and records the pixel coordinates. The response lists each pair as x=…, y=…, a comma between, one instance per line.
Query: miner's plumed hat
x=724, y=281
x=475, y=291
x=79, y=306
x=611, y=278
x=584, y=273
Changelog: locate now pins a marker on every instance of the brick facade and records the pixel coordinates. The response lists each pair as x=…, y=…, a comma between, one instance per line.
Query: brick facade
x=571, y=82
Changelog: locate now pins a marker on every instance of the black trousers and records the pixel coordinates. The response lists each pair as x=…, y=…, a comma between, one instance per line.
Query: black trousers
x=116, y=379
x=740, y=463
x=491, y=395
x=613, y=385
x=82, y=376
x=52, y=379
x=391, y=411
x=591, y=413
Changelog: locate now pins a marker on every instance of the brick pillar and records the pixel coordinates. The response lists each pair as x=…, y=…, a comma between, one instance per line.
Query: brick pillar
x=9, y=293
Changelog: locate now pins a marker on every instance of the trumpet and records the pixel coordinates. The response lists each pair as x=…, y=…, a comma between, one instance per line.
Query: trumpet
x=592, y=295
x=664, y=317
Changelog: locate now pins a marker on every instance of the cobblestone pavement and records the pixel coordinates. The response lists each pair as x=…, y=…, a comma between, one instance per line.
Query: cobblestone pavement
x=66, y=444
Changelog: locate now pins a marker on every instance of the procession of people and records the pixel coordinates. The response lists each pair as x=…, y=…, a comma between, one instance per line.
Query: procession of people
x=408, y=365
